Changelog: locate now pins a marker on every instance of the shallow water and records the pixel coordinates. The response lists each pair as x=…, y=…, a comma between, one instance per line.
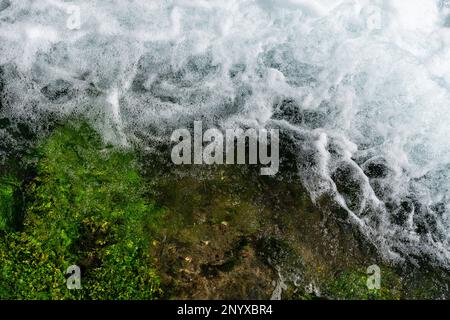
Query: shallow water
x=361, y=88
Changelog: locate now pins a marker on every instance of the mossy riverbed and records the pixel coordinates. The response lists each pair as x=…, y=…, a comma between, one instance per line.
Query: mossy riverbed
x=139, y=229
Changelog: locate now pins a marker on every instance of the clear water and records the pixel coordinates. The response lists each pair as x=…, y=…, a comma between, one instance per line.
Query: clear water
x=362, y=87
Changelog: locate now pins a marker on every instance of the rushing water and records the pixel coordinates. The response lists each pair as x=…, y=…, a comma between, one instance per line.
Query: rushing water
x=361, y=87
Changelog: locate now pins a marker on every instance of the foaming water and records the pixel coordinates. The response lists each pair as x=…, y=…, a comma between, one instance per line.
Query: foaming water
x=362, y=87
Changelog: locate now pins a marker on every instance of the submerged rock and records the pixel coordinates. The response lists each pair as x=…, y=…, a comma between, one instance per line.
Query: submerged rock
x=58, y=91
x=297, y=73
x=376, y=168
x=289, y=110
x=350, y=185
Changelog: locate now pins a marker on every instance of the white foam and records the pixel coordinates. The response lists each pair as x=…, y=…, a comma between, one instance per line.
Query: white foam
x=378, y=71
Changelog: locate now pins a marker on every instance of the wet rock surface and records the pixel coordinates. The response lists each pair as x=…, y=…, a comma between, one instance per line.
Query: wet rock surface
x=231, y=234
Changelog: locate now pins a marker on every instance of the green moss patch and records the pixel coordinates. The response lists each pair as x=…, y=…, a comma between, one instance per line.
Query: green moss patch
x=352, y=285
x=6, y=205
x=85, y=207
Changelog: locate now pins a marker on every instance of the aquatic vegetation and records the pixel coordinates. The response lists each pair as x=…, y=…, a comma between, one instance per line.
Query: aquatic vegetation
x=85, y=207
x=352, y=285
x=8, y=193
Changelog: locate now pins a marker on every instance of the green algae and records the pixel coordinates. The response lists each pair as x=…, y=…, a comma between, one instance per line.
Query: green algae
x=7, y=203
x=352, y=285
x=85, y=207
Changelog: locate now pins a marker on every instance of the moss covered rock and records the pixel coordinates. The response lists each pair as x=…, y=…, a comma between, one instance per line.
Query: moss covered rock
x=352, y=285
x=85, y=207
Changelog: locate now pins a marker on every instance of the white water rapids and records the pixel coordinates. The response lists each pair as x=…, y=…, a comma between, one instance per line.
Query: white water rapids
x=363, y=87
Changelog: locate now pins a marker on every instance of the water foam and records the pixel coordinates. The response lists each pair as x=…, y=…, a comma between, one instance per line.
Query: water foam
x=362, y=86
